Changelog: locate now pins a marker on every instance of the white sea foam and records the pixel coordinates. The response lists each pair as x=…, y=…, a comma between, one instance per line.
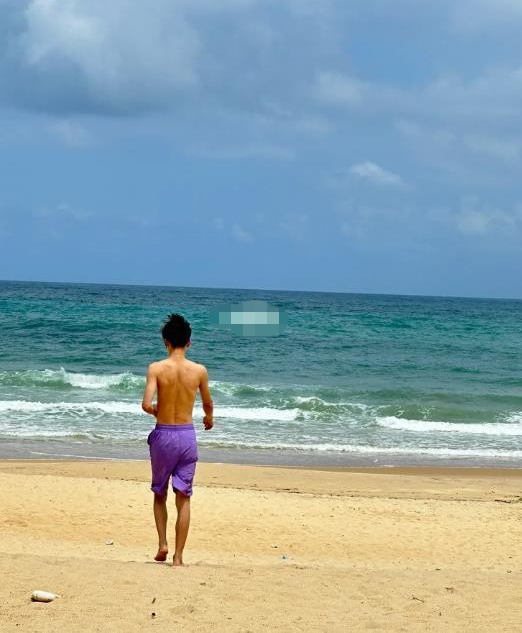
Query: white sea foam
x=42, y=377
x=426, y=426
x=305, y=399
x=63, y=407
x=514, y=418
x=257, y=413
x=370, y=450
x=231, y=388
x=35, y=432
x=117, y=407
x=99, y=381
x=315, y=400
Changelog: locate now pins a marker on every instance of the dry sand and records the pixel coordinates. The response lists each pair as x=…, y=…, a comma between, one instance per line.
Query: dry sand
x=270, y=549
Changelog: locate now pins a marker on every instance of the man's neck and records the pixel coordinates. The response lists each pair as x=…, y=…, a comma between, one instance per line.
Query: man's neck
x=177, y=352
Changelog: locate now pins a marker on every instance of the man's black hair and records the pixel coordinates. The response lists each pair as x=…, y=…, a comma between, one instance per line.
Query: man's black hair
x=176, y=330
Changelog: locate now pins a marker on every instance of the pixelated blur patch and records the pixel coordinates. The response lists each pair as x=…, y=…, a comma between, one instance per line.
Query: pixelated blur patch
x=250, y=318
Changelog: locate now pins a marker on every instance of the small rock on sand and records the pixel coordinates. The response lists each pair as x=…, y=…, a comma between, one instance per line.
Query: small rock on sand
x=43, y=596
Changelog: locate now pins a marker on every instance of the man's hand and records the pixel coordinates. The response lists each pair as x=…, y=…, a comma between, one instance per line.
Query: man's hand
x=151, y=409
x=208, y=422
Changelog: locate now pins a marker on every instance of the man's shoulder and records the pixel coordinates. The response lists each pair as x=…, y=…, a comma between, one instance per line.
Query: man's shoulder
x=196, y=365
x=156, y=364
x=198, y=368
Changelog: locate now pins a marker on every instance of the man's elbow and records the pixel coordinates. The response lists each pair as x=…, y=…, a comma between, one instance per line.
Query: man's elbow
x=145, y=406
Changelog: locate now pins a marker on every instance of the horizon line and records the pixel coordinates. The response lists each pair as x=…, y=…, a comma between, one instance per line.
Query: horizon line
x=342, y=292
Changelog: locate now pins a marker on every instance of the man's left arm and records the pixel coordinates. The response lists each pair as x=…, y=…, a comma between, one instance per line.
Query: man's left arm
x=150, y=390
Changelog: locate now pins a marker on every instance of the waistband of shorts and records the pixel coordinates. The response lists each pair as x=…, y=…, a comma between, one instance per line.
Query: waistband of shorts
x=174, y=427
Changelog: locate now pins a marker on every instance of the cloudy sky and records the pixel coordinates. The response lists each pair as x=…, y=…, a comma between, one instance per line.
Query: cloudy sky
x=345, y=145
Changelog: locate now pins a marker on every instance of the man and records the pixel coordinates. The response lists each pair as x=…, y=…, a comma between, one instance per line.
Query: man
x=172, y=443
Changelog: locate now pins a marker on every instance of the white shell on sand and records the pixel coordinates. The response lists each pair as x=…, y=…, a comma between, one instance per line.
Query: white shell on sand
x=43, y=596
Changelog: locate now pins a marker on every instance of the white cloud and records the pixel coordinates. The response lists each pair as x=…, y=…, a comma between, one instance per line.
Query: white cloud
x=462, y=155
x=476, y=222
x=374, y=174
x=241, y=234
x=472, y=220
x=92, y=54
x=424, y=134
x=332, y=88
x=71, y=133
x=436, y=141
x=493, y=95
x=504, y=149
x=127, y=57
x=122, y=57
x=285, y=119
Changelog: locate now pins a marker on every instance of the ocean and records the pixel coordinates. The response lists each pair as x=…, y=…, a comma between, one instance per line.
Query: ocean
x=353, y=379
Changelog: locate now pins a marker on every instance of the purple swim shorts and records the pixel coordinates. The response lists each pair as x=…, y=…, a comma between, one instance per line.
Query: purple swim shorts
x=173, y=451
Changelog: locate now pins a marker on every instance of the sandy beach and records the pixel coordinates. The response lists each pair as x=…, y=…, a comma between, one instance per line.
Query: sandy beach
x=269, y=549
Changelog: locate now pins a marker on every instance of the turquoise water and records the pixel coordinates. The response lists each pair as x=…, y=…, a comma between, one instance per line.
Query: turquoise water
x=370, y=376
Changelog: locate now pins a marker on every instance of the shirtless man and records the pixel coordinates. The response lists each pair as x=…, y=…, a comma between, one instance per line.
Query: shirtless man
x=172, y=443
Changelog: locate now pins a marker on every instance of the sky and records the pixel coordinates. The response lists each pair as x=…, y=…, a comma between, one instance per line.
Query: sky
x=335, y=145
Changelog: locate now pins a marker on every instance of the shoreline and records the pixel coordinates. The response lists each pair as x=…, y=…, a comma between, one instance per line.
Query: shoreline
x=475, y=472
x=58, y=450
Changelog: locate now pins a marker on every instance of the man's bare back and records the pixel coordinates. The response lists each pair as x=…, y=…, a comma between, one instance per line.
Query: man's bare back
x=176, y=381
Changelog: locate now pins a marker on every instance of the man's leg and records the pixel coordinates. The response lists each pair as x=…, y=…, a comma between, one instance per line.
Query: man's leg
x=161, y=516
x=182, y=526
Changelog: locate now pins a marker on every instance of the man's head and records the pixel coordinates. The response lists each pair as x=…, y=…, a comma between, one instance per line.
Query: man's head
x=176, y=331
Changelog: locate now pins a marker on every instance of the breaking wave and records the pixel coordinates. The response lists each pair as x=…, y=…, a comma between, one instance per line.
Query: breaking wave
x=426, y=426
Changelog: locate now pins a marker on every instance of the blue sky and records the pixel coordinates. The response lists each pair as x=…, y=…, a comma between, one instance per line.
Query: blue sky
x=343, y=145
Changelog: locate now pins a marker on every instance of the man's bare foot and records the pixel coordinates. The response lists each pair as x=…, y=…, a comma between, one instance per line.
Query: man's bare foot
x=178, y=562
x=162, y=553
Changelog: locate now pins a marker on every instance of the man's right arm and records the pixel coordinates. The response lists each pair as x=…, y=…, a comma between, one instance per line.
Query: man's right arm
x=206, y=399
